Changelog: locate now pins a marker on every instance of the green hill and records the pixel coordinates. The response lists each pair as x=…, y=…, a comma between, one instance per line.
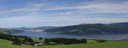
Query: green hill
x=8, y=44
x=115, y=28
x=9, y=31
x=120, y=44
x=90, y=44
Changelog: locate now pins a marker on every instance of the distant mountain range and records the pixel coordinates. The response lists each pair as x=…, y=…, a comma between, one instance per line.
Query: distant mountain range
x=36, y=29
x=45, y=27
x=114, y=28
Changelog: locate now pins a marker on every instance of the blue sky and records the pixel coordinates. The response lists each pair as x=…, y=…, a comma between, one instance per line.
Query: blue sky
x=35, y=13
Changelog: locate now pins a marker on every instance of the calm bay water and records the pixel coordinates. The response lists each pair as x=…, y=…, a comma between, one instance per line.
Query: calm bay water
x=44, y=35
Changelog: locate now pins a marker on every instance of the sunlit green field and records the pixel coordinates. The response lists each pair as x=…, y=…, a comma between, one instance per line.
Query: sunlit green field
x=7, y=44
x=121, y=44
x=90, y=44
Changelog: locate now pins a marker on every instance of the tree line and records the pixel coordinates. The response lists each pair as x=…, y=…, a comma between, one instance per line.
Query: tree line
x=64, y=41
x=18, y=40
x=67, y=41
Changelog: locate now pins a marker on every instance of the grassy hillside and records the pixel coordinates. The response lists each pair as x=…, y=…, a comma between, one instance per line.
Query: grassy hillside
x=115, y=28
x=121, y=44
x=9, y=31
x=90, y=44
x=8, y=44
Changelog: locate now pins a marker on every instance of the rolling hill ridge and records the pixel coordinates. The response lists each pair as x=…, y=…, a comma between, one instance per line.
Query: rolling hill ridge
x=114, y=28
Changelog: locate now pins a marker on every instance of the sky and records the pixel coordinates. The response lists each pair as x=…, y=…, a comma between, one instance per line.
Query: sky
x=36, y=13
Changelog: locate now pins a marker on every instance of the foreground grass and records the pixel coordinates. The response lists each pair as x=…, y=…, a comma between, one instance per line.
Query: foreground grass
x=8, y=44
x=90, y=44
x=120, y=44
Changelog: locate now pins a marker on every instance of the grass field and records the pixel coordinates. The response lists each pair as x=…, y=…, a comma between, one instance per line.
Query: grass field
x=90, y=44
x=7, y=44
x=121, y=44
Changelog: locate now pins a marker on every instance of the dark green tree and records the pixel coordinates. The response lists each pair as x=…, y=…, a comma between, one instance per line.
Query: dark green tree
x=101, y=40
x=40, y=38
x=83, y=41
x=17, y=41
x=47, y=41
x=31, y=41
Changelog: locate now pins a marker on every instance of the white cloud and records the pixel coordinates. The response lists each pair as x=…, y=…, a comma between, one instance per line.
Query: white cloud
x=32, y=18
x=92, y=7
x=34, y=21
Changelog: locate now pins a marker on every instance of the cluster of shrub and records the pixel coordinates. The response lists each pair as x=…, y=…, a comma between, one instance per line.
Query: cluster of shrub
x=68, y=41
x=18, y=40
x=64, y=41
x=101, y=40
x=22, y=40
